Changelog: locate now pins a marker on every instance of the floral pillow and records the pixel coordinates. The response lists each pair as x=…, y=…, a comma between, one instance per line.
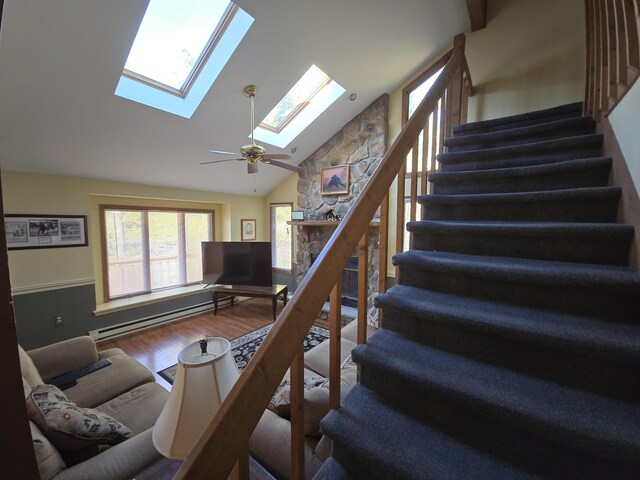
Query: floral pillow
x=281, y=401
x=68, y=426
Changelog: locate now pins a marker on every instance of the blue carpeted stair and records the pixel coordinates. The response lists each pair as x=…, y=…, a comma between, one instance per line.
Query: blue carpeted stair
x=510, y=347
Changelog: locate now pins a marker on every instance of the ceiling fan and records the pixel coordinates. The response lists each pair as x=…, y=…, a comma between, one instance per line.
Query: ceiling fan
x=254, y=153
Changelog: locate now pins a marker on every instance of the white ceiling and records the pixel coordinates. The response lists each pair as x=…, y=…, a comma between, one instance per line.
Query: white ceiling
x=60, y=62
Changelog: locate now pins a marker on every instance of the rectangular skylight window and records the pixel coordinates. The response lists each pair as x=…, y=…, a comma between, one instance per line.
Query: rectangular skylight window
x=173, y=38
x=179, y=50
x=307, y=99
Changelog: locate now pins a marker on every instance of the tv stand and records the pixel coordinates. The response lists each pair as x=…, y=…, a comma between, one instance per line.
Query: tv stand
x=274, y=292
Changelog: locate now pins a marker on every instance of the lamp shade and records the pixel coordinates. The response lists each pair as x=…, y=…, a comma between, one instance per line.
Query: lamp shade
x=201, y=384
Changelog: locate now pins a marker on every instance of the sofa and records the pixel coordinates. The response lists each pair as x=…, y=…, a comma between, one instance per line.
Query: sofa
x=119, y=403
x=270, y=443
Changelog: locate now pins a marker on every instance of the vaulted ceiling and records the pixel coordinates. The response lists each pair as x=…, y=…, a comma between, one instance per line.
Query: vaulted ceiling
x=60, y=62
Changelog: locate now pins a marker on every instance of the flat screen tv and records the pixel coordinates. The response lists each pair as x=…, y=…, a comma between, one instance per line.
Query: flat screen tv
x=236, y=263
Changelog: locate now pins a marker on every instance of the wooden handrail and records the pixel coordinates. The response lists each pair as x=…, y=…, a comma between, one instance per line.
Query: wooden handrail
x=228, y=433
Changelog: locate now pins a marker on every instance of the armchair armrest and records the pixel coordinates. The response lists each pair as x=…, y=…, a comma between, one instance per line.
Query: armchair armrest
x=62, y=357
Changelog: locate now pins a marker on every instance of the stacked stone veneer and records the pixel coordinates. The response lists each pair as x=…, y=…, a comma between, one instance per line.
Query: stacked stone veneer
x=361, y=144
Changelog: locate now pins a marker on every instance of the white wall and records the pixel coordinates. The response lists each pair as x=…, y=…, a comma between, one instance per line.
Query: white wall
x=624, y=121
x=530, y=56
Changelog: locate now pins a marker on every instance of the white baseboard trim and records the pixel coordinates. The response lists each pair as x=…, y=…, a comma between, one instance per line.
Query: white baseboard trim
x=114, y=331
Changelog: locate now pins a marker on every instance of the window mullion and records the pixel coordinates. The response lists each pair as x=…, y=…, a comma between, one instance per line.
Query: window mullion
x=182, y=249
x=146, y=257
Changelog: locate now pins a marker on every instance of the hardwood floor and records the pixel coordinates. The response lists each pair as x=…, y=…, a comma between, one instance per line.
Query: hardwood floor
x=158, y=347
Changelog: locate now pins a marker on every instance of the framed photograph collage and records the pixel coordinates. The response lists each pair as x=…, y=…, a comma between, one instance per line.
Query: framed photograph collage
x=45, y=231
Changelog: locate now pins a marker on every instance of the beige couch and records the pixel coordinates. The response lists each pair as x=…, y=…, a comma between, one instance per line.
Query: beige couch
x=124, y=390
x=270, y=443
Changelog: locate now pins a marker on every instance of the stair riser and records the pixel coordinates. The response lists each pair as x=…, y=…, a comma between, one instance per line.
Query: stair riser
x=538, y=183
x=483, y=432
x=579, y=368
x=462, y=144
x=621, y=306
x=536, y=154
x=570, y=248
x=482, y=127
x=596, y=210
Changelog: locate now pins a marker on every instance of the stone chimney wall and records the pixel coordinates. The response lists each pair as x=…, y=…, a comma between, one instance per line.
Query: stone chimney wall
x=361, y=144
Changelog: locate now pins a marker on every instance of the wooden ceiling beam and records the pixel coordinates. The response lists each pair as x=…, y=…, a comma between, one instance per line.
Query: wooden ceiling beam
x=477, y=14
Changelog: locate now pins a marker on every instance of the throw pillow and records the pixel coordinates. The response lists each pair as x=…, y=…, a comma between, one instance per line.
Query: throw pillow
x=281, y=401
x=68, y=426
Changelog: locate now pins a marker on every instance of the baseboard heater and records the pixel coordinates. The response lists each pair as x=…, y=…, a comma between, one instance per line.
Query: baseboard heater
x=113, y=331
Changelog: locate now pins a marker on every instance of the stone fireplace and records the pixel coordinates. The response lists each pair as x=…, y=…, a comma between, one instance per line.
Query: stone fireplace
x=360, y=144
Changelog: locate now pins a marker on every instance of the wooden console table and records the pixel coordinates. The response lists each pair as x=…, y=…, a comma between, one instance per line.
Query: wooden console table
x=274, y=292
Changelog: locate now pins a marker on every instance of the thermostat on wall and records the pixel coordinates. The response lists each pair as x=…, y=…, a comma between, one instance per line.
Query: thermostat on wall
x=297, y=215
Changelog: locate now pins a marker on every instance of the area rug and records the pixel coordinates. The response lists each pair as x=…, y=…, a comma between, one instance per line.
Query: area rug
x=243, y=347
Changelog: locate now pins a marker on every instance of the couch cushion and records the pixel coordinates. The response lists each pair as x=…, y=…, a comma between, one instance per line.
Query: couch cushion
x=317, y=359
x=68, y=426
x=139, y=408
x=29, y=371
x=48, y=458
x=98, y=387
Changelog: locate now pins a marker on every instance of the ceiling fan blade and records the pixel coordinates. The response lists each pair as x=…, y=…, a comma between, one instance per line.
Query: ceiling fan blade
x=220, y=161
x=293, y=168
x=222, y=152
x=276, y=156
x=252, y=167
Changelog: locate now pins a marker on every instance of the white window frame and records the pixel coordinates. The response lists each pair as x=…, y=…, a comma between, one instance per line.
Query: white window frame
x=272, y=208
x=145, y=246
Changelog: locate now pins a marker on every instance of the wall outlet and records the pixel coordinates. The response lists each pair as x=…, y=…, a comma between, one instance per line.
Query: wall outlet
x=57, y=320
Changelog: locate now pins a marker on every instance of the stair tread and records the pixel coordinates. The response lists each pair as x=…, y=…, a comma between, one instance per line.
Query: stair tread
x=424, y=452
x=523, y=228
x=332, y=470
x=510, y=150
x=516, y=172
x=549, y=272
x=550, y=410
x=519, y=132
x=569, y=108
x=554, y=329
x=522, y=197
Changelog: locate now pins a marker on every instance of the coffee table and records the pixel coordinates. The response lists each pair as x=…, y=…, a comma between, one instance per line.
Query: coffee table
x=274, y=292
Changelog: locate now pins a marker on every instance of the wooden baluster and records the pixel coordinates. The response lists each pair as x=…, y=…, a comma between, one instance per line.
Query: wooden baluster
x=613, y=55
x=297, y=415
x=400, y=220
x=632, y=21
x=413, y=195
x=604, y=59
x=455, y=90
x=597, y=47
x=241, y=468
x=335, y=315
x=589, y=84
x=363, y=286
x=622, y=50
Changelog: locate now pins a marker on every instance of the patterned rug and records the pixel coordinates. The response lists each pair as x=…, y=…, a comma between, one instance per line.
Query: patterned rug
x=243, y=347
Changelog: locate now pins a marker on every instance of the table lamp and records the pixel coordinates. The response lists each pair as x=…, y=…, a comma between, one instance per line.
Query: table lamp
x=205, y=374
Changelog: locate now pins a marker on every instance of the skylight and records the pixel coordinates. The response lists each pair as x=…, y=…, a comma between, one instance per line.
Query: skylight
x=307, y=99
x=179, y=50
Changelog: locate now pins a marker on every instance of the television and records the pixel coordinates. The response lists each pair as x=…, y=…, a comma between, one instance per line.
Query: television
x=236, y=263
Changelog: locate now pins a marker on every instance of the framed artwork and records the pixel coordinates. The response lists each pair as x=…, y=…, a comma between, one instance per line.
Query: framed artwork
x=248, y=229
x=334, y=180
x=45, y=231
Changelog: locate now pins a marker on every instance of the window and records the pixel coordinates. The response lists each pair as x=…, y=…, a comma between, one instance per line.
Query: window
x=307, y=99
x=281, y=239
x=146, y=250
x=179, y=51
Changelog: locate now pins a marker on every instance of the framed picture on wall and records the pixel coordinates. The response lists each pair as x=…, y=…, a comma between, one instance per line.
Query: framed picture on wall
x=334, y=180
x=248, y=229
x=45, y=231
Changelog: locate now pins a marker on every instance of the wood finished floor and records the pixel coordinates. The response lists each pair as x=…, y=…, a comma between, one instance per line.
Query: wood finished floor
x=158, y=347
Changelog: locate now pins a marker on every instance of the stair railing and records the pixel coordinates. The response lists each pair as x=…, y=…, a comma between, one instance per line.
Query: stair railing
x=226, y=438
x=450, y=111
x=613, y=53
